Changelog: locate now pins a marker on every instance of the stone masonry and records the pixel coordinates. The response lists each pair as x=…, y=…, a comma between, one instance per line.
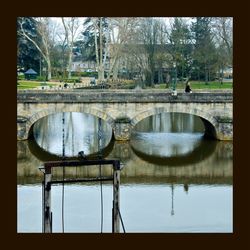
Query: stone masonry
x=124, y=109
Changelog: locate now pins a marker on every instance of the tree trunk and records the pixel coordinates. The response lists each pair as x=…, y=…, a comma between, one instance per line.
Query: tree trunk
x=115, y=72
x=160, y=76
x=70, y=64
x=113, y=66
x=49, y=68
x=222, y=74
x=96, y=50
x=182, y=72
x=152, y=70
x=143, y=77
x=206, y=75
x=101, y=73
x=101, y=77
x=152, y=79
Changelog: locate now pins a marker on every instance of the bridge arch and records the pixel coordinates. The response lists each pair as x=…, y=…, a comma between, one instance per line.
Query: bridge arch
x=86, y=110
x=209, y=121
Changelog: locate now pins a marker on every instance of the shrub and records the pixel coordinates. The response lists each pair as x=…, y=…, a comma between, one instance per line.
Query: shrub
x=72, y=80
x=41, y=78
x=20, y=77
x=89, y=74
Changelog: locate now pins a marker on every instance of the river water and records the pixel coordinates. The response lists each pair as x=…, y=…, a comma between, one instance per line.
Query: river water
x=173, y=180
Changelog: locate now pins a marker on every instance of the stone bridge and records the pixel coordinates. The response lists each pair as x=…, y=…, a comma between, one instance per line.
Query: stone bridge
x=123, y=109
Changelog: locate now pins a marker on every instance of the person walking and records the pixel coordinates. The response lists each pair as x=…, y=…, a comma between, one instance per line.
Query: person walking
x=188, y=89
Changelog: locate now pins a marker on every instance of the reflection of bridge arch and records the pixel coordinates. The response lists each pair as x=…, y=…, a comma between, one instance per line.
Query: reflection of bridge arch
x=208, y=171
x=44, y=155
x=199, y=154
x=79, y=109
x=209, y=121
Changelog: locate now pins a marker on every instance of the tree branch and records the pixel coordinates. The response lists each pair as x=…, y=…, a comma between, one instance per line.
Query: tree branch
x=23, y=33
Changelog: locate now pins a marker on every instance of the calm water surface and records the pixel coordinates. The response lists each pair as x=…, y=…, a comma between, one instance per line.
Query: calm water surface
x=172, y=181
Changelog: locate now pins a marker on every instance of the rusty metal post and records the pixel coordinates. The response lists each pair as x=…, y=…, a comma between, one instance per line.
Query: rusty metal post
x=47, y=215
x=116, y=198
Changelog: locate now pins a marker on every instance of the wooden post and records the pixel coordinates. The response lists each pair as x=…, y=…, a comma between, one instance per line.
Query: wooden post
x=47, y=202
x=46, y=210
x=116, y=198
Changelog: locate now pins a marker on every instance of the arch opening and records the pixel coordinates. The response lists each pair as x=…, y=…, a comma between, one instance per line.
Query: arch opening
x=83, y=110
x=171, y=122
x=210, y=131
x=171, y=135
x=207, y=123
x=68, y=133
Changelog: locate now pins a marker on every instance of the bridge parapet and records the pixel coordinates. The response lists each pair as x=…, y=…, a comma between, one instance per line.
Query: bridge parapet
x=106, y=96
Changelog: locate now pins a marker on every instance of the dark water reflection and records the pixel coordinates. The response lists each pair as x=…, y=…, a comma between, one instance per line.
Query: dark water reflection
x=171, y=181
x=181, y=148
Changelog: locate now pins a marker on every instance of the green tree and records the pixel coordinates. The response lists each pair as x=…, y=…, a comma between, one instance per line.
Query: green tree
x=204, y=49
x=27, y=54
x=180, y=46
x=44, y=42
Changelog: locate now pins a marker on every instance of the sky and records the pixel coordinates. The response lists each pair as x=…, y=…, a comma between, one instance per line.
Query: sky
x=167, y=20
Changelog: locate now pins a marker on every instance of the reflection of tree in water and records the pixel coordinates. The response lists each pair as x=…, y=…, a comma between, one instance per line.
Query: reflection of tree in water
x=170, y=122
x=27, y=165
x=41, y=130
x=80, y=133
x=170, y=146
x=175, y=149
x=198, y=154
x=179, y=133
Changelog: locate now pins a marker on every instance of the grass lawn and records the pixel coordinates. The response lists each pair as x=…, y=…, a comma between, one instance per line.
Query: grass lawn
x=24, y=84
x=198, y=85
x=211, y=85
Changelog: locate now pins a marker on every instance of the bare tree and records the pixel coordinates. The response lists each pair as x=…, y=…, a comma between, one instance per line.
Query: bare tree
x=45, y=30
x=149, y=38
x=121, y=32
x=99, y=34
x=137, y=62
x=162, y=57
x=223, y=31
x=62, y=42
x=71, y=26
